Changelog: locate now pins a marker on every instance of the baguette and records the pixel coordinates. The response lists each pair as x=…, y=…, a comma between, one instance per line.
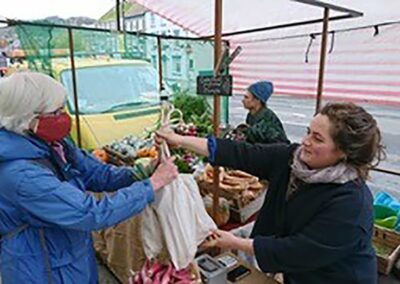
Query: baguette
x=240, y=174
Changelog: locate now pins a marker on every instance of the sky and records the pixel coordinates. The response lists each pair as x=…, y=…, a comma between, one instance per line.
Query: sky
x=37, y=9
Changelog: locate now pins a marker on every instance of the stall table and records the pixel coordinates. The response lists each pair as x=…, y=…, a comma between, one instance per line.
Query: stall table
x=255, y=277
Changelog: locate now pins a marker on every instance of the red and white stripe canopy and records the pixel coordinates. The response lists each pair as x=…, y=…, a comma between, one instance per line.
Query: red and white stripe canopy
x=362, y=65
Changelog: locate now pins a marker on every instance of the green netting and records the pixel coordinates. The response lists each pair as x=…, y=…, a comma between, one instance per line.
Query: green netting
x=47, y=48
x=44, y=44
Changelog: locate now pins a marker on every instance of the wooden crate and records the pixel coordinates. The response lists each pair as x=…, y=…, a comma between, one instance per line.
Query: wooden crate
x=242, y=214
x=239, y=211
x=117, y=158
x=388, y=240
x=234, y=198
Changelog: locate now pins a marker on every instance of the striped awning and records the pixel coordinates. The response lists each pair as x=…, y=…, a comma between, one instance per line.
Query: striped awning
x=362, y=65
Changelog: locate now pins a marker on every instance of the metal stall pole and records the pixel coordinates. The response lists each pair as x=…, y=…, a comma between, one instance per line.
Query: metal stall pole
x=74, y=88
x=124, y=28
x=123, y=16
x=217, y=99
x=118, y=14
x=159, y=54
x=322, y=59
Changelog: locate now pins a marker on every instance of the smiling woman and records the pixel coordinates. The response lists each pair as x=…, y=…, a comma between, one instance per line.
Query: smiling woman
x=317, y=219
x=319, y=150
x=356, y=134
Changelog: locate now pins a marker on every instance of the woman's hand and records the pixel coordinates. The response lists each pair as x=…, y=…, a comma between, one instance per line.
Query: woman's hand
x=165, y=173
x=173, y=140
x=227, y=240
x=194, y=144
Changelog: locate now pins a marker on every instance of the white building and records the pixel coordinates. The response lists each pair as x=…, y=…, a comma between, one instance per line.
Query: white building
x=181, y=61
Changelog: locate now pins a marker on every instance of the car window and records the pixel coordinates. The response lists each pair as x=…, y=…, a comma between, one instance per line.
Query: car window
x=111, y=88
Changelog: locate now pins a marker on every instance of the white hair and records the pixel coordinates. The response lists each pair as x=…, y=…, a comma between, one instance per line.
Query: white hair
x=24, y=95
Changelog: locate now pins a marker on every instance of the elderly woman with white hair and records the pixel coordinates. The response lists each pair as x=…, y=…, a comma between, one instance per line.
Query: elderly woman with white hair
x=46, y=216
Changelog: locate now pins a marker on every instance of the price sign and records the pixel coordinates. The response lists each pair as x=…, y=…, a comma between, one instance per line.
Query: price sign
x=214, y=85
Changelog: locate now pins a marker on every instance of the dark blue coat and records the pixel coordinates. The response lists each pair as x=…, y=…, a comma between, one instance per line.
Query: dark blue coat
x=321, y=234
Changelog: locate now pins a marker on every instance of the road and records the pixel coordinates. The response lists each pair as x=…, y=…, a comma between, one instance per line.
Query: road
x=296, y=113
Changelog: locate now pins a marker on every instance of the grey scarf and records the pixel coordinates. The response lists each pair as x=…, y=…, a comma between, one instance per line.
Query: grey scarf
x=339, y=173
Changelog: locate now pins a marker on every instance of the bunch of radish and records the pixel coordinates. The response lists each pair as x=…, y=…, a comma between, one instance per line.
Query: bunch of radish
x=156, y=273
x=186, y=129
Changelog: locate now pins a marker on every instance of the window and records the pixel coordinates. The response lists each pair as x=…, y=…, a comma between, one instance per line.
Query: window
x=191, y=64
x=177, y=43
x=130, y=85
x=176, y=61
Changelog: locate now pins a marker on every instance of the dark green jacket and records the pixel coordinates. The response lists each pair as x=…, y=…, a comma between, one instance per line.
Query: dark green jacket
x=265, y=127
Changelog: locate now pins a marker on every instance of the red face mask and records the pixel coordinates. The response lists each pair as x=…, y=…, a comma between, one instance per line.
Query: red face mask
x=53, y=128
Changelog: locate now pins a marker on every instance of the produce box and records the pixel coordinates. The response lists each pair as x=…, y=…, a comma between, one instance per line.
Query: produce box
x=387, y=247
x=127, y=150
x=117, y=158
x=237, y=200
x=243, y=214
x=223, y=210
x=244, y=192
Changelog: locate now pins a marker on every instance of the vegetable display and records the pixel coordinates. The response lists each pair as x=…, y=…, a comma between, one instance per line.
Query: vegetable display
x=156, y=273
x=190, y=116
x=134, y=147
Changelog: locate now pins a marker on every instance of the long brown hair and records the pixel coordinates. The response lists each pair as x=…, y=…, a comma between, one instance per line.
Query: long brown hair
x=356, y=133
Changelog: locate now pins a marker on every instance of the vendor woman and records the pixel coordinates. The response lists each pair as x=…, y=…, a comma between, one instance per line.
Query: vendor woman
x=263, y=125
x=316, y=223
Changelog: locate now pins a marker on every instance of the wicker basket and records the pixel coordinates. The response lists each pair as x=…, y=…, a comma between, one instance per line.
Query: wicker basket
x=388, y=240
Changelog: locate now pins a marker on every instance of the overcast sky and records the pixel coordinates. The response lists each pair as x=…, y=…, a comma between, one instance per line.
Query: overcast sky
x=37, y=9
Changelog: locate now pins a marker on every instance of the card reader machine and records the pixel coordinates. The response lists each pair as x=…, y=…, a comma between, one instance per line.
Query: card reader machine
x=211, y=271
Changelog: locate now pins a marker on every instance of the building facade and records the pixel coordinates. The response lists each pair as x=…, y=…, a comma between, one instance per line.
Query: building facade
x=182, y=60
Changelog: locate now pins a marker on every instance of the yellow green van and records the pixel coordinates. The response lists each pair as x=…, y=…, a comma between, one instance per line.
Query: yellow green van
x=116, y=98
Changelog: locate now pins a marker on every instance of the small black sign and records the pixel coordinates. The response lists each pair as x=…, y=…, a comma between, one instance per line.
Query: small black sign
x=211, y=85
